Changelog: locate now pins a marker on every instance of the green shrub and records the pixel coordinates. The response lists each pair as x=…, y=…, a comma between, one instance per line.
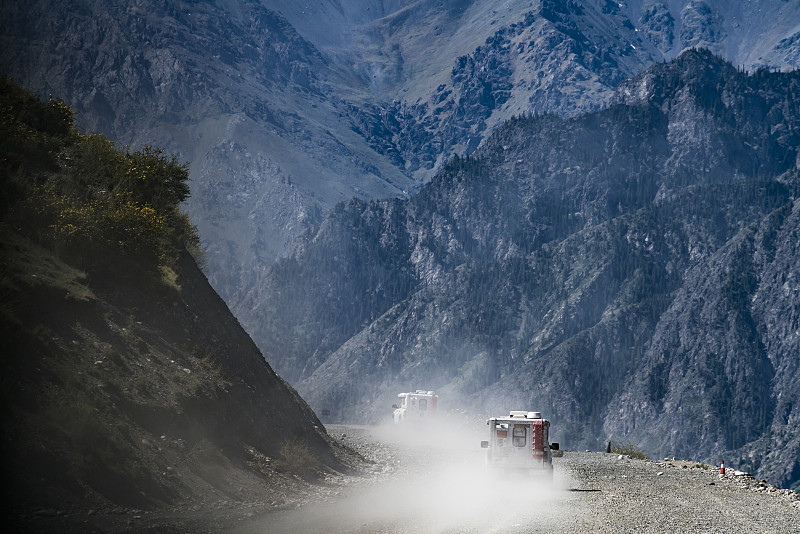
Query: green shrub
x=90, y=228
x=94, y=165
x=81, y=195
x=32, y=133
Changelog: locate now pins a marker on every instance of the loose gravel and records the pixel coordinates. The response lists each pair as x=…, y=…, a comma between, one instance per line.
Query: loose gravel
x=413, y=485
x=620, y=494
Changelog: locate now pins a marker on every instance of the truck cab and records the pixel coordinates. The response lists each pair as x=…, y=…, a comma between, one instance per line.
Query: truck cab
x=520, y=442
x=415, y=406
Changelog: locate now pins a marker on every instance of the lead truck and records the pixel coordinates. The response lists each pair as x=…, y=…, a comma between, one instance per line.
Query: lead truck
x=520, y=443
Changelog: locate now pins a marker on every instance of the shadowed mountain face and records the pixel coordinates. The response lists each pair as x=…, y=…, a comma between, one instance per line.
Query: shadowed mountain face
x=128, y=384
x=630, y=272
x=285, y=108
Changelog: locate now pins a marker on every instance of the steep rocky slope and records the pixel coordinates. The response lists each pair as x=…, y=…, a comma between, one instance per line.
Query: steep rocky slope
x=286, y=108
x=127, y=382
x=629, y=272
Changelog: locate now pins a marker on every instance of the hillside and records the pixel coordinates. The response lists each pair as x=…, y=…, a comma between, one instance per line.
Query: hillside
x=629, y=271
x=127, y=382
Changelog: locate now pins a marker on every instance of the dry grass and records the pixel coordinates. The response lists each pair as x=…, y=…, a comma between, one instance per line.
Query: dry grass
x=32, y=265
x=297, y=459
x=629, y=450
x=169, y=277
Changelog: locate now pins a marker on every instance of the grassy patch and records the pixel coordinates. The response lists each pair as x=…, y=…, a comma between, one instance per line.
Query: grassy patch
x=169, y=277
x=28, y=264
x=629, y=450
x=209, y=363
x=297, y=459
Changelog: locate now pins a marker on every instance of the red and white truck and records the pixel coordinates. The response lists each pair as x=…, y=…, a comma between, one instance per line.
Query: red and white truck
x=415, y=406
x=520, y=442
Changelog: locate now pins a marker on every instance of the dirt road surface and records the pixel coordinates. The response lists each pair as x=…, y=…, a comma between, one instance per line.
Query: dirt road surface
x=436, y=483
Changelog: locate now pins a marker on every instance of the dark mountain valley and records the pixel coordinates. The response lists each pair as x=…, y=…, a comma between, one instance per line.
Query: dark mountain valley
x=584, y=208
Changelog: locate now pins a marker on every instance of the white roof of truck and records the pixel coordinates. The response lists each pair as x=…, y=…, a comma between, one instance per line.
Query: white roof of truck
x=518, y=415
x=418, y=392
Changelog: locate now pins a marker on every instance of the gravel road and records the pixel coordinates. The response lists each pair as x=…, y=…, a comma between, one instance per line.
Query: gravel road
x=419, y=483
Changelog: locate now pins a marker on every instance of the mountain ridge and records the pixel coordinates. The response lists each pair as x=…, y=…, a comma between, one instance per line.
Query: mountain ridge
x=285, y=111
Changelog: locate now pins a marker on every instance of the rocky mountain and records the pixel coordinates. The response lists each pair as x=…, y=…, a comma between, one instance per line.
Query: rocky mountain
x=286, y=108
x=127, y=383
x=630, y=272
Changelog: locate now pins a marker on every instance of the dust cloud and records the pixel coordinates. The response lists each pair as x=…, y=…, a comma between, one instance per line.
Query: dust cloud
x=436, y=483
